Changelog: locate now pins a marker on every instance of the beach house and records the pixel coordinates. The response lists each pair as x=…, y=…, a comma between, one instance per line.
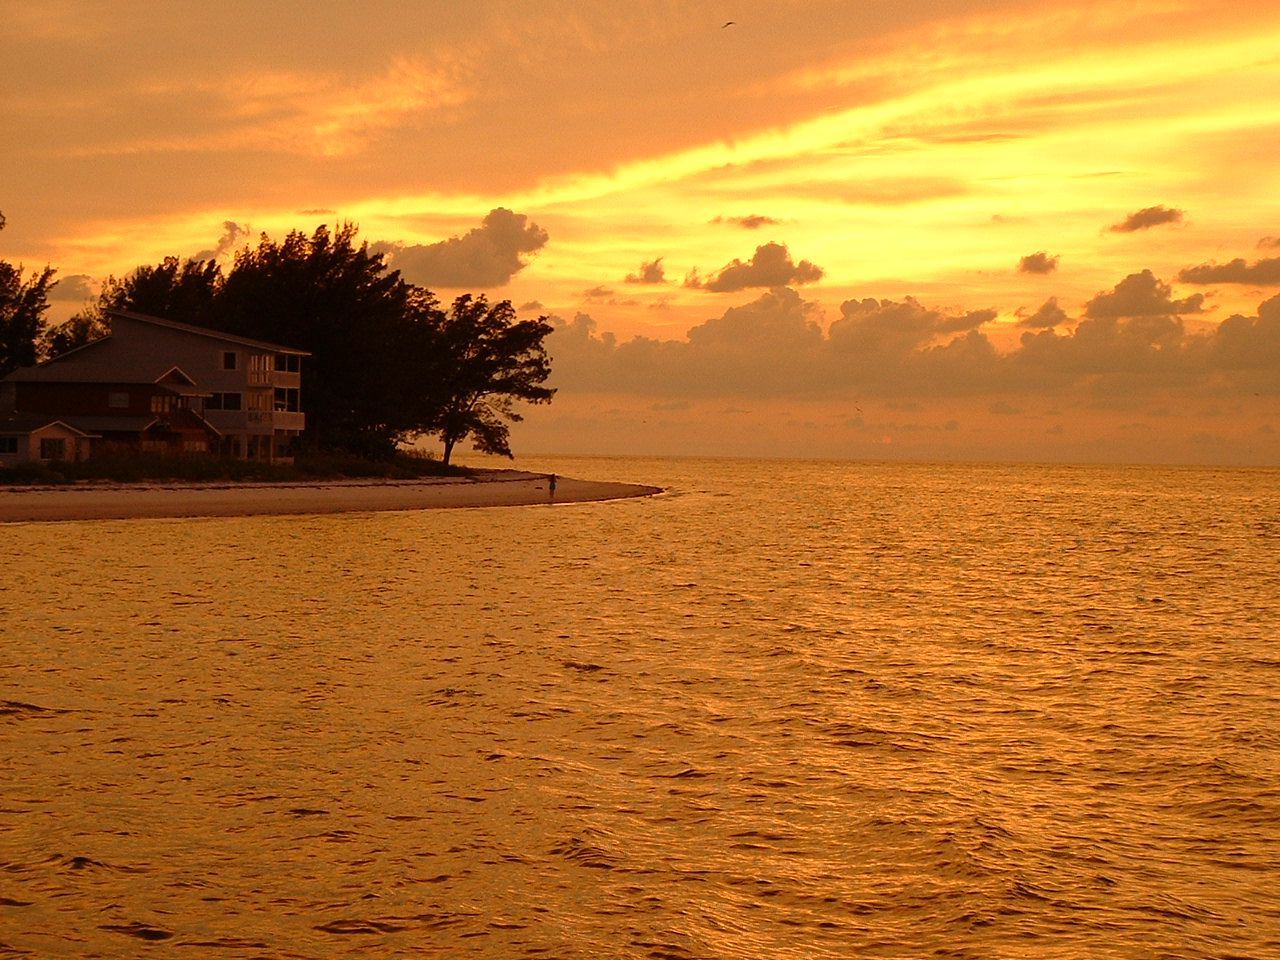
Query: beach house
x=159, y=385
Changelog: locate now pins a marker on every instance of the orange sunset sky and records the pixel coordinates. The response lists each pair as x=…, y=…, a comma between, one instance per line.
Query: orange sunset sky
x=924, y=228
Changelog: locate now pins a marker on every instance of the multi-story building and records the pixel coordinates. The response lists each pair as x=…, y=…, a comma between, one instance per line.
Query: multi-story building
x=162, y=385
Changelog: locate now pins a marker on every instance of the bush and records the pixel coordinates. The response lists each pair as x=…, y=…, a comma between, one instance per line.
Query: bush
x=125, y=466
x=133, y=466
x=21, y=474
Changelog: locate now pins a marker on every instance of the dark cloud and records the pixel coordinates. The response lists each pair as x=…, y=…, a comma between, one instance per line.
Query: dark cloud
x=1267, y=242
x=485, y=257
x=879, y=327
x=1146, y=218
x=779, y=321
x=650, y=272
x=752, y=222
x=233, y=234
x=532, y=306
x=1261, y=272
x=1105, y=356
x=77, y=286
x=762, y=347
x=1141, y=295
x=906, y=352
x=770, y=266
x=1048, y=315
x=1244, y=343
x=318, y=212
x=597, y=292
x=1039, y=262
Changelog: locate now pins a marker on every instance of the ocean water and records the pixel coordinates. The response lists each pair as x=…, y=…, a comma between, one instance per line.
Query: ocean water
x=785, y=710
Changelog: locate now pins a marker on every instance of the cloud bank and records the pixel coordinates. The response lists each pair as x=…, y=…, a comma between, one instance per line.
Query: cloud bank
x=775, y=346
x=1264, y=272
x=77, y=286
x=485, y=257
x=1046, y=316
x=770, y=266
x=1141, y=295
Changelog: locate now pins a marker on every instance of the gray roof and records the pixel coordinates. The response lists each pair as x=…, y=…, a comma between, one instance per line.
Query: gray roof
x=93, y=363
x=122, y=424
x=208, y=332
x=104, y=361
x=22, y=423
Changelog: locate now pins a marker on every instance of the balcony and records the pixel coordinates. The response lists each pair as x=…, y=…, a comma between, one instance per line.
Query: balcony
x=275, y=419
x=255, y=421
x=273, y=378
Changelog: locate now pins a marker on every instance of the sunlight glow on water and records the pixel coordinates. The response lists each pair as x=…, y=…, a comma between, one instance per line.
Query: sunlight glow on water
x=785, y=710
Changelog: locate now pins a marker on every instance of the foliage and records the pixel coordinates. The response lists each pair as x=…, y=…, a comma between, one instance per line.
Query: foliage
x=84, y=327
x=482, y=361
x=361, y=323
x=387, y=363
x=22, y=307
x=403, y=465
x=178, y=289
x=30, y=473
x=132, y=466
x=175, y=289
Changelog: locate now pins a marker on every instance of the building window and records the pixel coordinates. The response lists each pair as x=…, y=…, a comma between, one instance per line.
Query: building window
x=8, y=445
x=228, y=359
x=288, y=362
x=224, y=401
x=287, y=399
x=118, y=399
x=53, y=448
x=162, y=403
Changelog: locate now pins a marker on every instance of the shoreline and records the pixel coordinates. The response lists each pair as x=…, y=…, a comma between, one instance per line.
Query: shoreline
x=177, y=499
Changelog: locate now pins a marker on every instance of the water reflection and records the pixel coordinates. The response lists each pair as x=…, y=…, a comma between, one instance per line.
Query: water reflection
x=789, y=710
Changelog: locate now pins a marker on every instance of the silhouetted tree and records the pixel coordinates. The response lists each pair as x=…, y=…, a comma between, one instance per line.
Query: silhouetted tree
x=85, y=327
x=22, y=307
x=482, y=361
x=387, y=363
x=366, y=329
x=183, y=290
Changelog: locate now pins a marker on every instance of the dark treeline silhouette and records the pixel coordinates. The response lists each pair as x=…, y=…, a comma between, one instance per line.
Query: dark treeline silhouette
x=388, y=362
x=22, y=307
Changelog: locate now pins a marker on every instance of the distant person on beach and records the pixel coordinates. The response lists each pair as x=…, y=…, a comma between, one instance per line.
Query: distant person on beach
x=551, y=486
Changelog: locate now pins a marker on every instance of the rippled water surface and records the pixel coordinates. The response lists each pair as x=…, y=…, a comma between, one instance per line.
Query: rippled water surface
x=786, y=710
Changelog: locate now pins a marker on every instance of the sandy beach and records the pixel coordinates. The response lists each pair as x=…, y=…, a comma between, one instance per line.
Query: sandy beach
x=117, y=501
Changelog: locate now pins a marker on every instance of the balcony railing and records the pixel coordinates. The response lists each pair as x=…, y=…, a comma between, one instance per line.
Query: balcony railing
x=273, y=378
x=256, y=421
x=276, y=419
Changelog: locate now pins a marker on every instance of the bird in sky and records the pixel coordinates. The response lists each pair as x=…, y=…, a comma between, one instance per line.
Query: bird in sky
x=728, y=23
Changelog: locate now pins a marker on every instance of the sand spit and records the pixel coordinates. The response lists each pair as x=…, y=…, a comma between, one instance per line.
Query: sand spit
x=484, y=488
